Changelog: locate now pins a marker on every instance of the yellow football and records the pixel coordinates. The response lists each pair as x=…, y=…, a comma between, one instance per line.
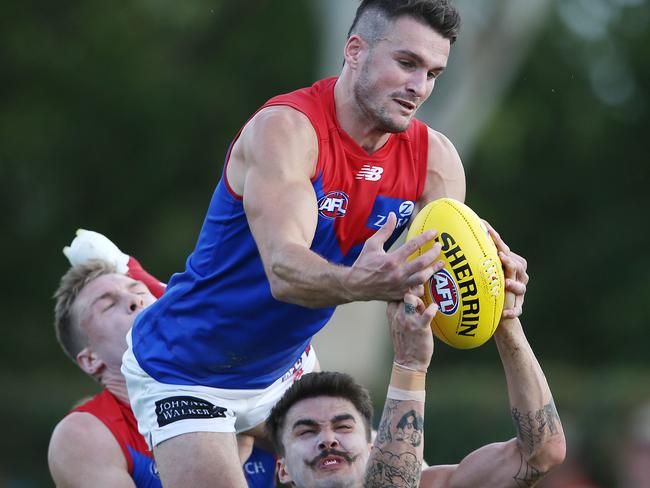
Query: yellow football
x=470, y=289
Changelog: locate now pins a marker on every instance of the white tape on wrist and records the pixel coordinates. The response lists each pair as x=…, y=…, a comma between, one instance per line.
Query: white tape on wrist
x=404, y=395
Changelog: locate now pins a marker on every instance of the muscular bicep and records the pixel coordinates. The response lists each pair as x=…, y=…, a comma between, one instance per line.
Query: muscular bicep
x=279, y=151
x=445, y=172
x=498, y=465
x=83, y=452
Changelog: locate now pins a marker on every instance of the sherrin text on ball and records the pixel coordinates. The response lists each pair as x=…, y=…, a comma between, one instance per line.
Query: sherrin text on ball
x=470, y=289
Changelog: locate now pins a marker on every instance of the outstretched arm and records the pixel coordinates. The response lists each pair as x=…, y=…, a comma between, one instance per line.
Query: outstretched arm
x=271, y=166
x=398, y=449
x=540, y=443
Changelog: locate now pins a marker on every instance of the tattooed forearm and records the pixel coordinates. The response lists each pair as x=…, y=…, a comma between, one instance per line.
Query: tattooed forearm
x=527, y=475
x=535, y=426
x=384, y=435
x=395, y=470
x=410, y=428
x=552, y=417
x=396, y=457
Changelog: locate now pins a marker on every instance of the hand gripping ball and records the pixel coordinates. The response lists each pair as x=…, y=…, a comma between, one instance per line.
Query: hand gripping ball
x=469, y=290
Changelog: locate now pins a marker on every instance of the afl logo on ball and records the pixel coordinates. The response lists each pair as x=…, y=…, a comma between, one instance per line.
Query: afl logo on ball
x=333, y=205
x=444, y=292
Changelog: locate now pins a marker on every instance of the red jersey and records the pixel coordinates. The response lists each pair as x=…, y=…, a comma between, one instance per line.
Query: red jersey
x=357, y=190
x=118, y=418
x=217, y=323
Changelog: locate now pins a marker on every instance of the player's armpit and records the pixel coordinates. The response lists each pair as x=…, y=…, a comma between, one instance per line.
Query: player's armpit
x=445, y=172
x=83, y=452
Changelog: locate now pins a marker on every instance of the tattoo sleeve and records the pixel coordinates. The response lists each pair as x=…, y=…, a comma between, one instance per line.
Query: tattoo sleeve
x=533, y=428
x=527, y=475
x=396, y=456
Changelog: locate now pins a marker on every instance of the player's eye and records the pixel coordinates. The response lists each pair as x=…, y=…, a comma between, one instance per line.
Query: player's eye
x=406, y=63
x=108, y=306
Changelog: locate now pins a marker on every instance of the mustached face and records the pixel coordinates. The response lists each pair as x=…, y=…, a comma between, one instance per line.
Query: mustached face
x=325, y=444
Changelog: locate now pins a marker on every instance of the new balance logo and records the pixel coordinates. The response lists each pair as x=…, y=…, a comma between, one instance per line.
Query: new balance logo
x=370, y=173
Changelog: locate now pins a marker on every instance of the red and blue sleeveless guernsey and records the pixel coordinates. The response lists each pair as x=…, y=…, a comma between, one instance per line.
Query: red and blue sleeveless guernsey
x=217, y=323
x=119, y=419
x=259, y=469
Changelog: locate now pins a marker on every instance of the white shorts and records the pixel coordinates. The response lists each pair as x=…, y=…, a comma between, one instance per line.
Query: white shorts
x=164, y=410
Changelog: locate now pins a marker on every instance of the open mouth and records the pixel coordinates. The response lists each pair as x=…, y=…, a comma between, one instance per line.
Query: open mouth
x=331, y=462
x=410, y=106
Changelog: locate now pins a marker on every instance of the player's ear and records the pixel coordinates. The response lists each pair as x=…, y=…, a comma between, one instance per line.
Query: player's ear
x=353, y=51
x=283, y=474
x=89, y=362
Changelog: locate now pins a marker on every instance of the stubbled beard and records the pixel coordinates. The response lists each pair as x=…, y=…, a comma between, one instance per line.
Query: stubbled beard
x=378, y=116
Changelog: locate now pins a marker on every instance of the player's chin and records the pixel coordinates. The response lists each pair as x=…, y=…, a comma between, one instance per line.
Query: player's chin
x=343, y=472
x=397, y=124
x=336, y=479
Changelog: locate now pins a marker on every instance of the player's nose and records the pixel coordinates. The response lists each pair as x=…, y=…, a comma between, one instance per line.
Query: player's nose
x=417, y=84
x=328, y=440
x=135, y=302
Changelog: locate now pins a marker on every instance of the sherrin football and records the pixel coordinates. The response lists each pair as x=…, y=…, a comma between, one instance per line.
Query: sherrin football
x=469, y=290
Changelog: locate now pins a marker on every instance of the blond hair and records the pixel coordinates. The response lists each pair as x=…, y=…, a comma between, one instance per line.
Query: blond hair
x=67, y=325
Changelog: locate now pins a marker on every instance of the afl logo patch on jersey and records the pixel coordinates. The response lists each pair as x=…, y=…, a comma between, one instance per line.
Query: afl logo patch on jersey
x=444, y=292
x=333, y=205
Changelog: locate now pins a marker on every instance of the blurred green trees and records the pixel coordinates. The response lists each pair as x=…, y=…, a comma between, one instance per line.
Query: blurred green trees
x=116, y=117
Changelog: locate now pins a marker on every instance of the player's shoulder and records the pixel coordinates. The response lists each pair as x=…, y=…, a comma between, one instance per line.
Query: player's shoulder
x=281, y=119
x=440, y=145
x=278, y=134
x=82, y=434
x=445, y=171
x=81, y=440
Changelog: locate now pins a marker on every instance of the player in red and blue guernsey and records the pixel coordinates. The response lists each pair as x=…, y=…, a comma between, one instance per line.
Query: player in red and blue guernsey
x=316, y=186
x=98, y=443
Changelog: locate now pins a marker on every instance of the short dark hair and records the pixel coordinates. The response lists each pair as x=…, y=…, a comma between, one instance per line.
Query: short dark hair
x=66, y=323
x=372, y=17
x=325, y=383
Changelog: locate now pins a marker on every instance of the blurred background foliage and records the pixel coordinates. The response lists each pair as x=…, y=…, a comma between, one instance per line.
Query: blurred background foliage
x=116, y=117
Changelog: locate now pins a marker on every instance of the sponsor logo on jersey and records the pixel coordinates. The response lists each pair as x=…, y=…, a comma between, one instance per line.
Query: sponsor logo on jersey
x=333, y=205
x=403, y=209
x=254, y=467
x=153, y=469
x=296, y=371
x=176, y=408
x=444, y=292
x=369, y=172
